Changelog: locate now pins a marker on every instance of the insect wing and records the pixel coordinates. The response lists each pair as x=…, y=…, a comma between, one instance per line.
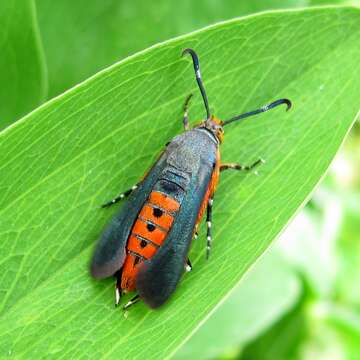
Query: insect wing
x=110, y=252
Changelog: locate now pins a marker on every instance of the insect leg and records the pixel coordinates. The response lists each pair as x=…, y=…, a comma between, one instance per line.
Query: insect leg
x=120, y=197
x=118, y=290
x=133, y=301
x=196, y=234
x=188, y=266
x=186, y=112
x=235, y=166
x=208, y=223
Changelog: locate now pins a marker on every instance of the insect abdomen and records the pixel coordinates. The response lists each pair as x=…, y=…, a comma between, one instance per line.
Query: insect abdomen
x=153, y=223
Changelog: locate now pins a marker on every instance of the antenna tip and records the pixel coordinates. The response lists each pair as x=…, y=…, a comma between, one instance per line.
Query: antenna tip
x=277, y=103
x=187, y=51
x=288, y=104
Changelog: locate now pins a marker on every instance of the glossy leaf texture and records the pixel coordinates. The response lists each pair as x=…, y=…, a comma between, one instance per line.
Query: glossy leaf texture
x=61, y=162
x=23, y=75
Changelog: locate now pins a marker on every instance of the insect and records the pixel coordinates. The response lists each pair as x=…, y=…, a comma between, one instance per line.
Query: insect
x=146, y=244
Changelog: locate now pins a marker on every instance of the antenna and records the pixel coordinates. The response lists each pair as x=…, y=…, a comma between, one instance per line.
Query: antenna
x=198, y=78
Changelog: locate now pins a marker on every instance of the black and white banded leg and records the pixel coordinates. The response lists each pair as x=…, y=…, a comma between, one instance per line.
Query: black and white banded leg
x=118, y=291
x=188, y=266
x=133, y=301
x=208, y=224
x=235, y=166
x=186, y=112
x=120, y=197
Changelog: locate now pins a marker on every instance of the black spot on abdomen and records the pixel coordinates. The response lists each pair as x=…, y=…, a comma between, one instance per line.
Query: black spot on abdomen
x=157, y=212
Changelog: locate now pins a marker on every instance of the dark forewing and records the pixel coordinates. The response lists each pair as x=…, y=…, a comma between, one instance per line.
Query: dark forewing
x=158, y=277
x=110, y=252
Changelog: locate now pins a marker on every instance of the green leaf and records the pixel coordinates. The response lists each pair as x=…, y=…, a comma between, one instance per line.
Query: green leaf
x=284, y=340
x=254, y=305
x=93, y=34
x=333, y=2
x=309, y=242
x=349, y=254
x=312, y=330
x=22, y=68
x=72, y=154
x=346, y=321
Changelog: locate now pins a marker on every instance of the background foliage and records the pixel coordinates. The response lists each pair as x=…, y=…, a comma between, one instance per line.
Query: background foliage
x=23, y=74
x=299, y=299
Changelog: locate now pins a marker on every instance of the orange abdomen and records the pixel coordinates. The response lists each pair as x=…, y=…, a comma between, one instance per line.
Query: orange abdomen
x=148, y=234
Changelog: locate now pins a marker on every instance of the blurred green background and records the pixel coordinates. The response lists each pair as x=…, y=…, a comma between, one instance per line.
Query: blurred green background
x=309, y=306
